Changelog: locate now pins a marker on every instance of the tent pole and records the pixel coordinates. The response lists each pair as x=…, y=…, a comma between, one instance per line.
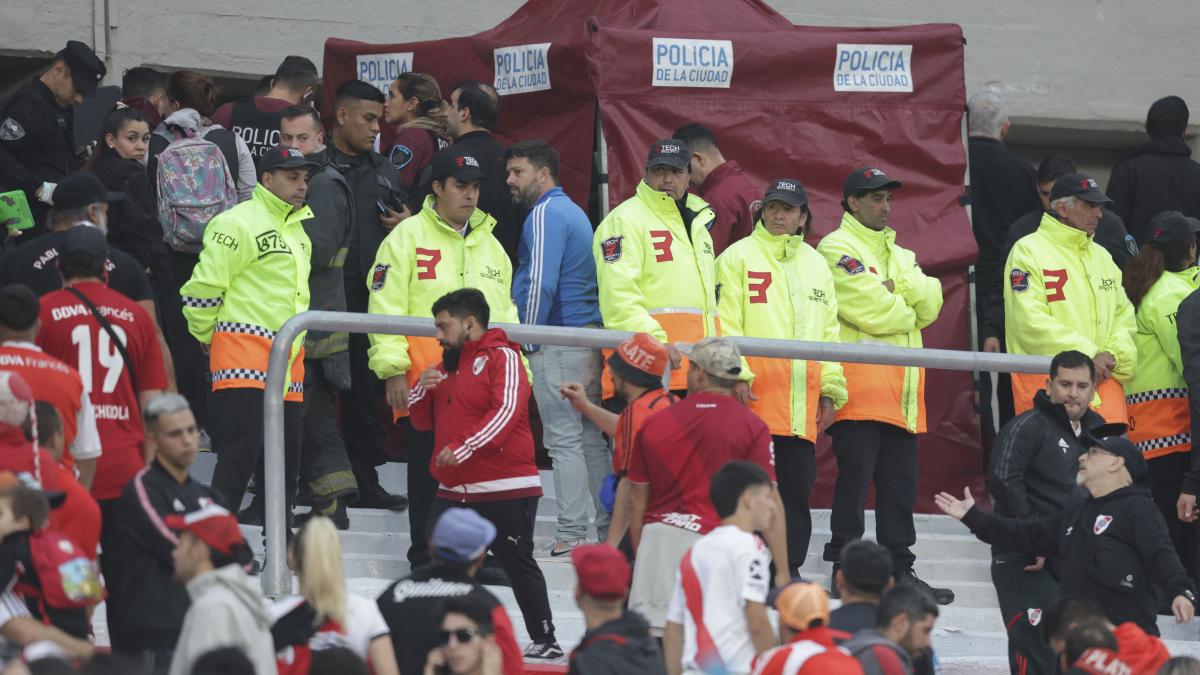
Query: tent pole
x=602, y=149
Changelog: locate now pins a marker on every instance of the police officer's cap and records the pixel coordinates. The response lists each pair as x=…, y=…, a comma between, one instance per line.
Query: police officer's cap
x=81, y=190
x=1115, y=444
x=787, y=190
x=86, y=68
x=868, y=178
x=1078, y=185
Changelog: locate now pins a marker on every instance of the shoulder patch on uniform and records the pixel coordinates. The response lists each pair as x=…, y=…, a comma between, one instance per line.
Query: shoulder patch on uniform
x=851, y=265
x=11, y=130
x=1131, y=244
x=1019, y=280
x=379, y=277
x=400, y=155
x=611, y=248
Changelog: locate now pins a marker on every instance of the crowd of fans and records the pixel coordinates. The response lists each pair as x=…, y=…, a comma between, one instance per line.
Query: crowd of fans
x=147, y=274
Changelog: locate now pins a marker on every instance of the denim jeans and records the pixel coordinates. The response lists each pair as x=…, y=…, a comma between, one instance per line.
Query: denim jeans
x=581, y=457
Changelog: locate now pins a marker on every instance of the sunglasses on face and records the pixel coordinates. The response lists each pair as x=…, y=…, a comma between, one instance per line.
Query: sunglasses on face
x=462, y=636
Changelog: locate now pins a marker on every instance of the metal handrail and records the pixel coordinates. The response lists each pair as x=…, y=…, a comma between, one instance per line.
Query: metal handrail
x=276, y=579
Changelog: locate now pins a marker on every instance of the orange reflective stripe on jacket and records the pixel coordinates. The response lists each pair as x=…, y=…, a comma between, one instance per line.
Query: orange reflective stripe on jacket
x=237, y=353
x=423, y=352
x=1160, y=422
x=1112, y=396
x=774, y=404
x=873, y=392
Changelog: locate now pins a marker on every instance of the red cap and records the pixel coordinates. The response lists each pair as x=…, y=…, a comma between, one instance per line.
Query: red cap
x=212, y=525
x=602, y=570
x=644, y=353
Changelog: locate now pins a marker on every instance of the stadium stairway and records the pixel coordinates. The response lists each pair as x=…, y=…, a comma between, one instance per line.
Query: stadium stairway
x=969, y=636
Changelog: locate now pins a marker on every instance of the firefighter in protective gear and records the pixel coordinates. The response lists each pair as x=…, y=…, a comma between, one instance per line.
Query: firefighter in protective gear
x=446, y=246
x=654, y=258
x=1064, y=292
x=251, y=278
x=774, y=285
x=1156, y=280
x=884, y=298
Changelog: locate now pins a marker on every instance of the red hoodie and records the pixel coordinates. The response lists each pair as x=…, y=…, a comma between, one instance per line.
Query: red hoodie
x=481, y=412
x=1142, y=651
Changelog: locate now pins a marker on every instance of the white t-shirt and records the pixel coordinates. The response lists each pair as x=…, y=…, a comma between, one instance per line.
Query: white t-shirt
x=364, y=622
x=732, y=567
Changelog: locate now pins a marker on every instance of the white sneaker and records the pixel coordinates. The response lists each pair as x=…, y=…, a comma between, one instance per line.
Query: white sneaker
x=558, y=549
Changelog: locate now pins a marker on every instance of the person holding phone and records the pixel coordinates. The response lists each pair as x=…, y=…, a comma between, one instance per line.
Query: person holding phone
x=467, y=640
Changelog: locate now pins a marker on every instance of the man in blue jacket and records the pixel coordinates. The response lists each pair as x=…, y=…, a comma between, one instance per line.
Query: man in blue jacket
x=555, y=285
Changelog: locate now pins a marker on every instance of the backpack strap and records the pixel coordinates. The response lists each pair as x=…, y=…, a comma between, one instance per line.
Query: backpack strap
x=117, y=342
x=226, y=142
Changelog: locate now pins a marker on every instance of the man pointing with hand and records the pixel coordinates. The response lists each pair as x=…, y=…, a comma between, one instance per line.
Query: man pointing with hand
x=1112, y=547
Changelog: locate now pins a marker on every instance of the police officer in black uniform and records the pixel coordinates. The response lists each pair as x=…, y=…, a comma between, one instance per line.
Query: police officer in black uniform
x=36, y=145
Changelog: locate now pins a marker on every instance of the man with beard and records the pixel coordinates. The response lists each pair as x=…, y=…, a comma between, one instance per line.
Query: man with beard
x=555, y=285
x=448, y=245
x=479, y=414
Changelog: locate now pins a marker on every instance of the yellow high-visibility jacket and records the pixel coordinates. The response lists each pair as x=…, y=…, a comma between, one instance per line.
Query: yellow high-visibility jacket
x=861, y=259
x=655, y=275
x=419, y=261
x=1159, y=419
x=777, y=286
x=251, y=278
x=1064, y=292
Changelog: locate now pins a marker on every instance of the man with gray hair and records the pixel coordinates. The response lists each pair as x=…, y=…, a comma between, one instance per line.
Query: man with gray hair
x=1064, y=292
x=1003, y=188
x=145, y=605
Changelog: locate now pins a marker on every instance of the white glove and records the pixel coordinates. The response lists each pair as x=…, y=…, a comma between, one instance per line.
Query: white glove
x=46, y=194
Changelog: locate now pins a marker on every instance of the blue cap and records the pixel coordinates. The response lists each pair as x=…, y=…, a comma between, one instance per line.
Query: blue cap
x=461, y=535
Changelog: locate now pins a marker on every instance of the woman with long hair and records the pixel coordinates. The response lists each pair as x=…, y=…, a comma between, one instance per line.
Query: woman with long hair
x=1156, y=280
x=120, y=164
x=195, y=97
x=324, y=614
x=414, y=104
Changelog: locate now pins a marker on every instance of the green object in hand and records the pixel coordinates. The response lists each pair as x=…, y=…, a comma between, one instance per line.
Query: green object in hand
x=14, y=211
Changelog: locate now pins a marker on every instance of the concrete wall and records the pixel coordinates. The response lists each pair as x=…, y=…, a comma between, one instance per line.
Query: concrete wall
x=1078, y=73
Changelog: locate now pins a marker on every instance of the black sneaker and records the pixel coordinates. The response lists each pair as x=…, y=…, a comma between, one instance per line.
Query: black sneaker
x=548, y=651
x=492, y=576
x=834, y=592
x=943, y=596
x=253, y=514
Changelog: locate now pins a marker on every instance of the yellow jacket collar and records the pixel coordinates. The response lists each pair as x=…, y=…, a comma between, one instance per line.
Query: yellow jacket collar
x=662, y=204
x=479, y=219
x=886, y=236
x=1063, y=234
x=781, y=246
x=279, y=208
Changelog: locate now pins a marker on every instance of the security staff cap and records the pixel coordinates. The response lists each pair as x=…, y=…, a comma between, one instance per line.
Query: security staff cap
x=670, y=152
x=281, y=157
x=867, y=178
x=1173, y=228
x=451, y=162
x=787, y=190
x=86, y=68
x=1078, y=185
x=718, y=357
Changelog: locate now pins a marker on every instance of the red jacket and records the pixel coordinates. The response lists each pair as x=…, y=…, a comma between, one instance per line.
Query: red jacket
x=1142, y=651
x=734, y=198
x=809, y=652
x=481, y=412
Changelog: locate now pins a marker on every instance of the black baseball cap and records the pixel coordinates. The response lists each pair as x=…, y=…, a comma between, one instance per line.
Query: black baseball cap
x=81, y=190
x=84, y=238
x=787, y=190
x=1135, y=461
x=1172, y=227
x=1081, y=186
x=865, y=179
x=282, y=157
x=669, y=152
x=456, y=163
x=86, y=68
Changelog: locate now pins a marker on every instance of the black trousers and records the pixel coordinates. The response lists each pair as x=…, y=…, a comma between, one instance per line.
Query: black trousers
x=869, y=451
x=324, y=465
x=191, y=363
x=1166, y=479
x=422, y=488
x=514, y=520
x=112, y=552
x=1025, y=597
x=238, y=442
x=361, y=427
x=795, y=471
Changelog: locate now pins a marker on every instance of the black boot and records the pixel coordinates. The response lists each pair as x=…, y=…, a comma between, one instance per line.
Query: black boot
x=335, y=511
x=371, y=494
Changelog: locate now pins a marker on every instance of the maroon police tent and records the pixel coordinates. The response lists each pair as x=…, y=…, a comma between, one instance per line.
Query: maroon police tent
x=783, y=100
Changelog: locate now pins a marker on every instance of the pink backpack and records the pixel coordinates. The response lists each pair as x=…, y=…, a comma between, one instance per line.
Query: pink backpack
x=195, y=183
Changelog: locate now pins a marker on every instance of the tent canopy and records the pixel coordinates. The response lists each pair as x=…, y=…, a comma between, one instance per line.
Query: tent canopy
x=783, y=100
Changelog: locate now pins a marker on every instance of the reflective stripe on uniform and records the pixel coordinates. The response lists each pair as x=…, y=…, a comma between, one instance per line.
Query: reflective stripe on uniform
x=1160, y=422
